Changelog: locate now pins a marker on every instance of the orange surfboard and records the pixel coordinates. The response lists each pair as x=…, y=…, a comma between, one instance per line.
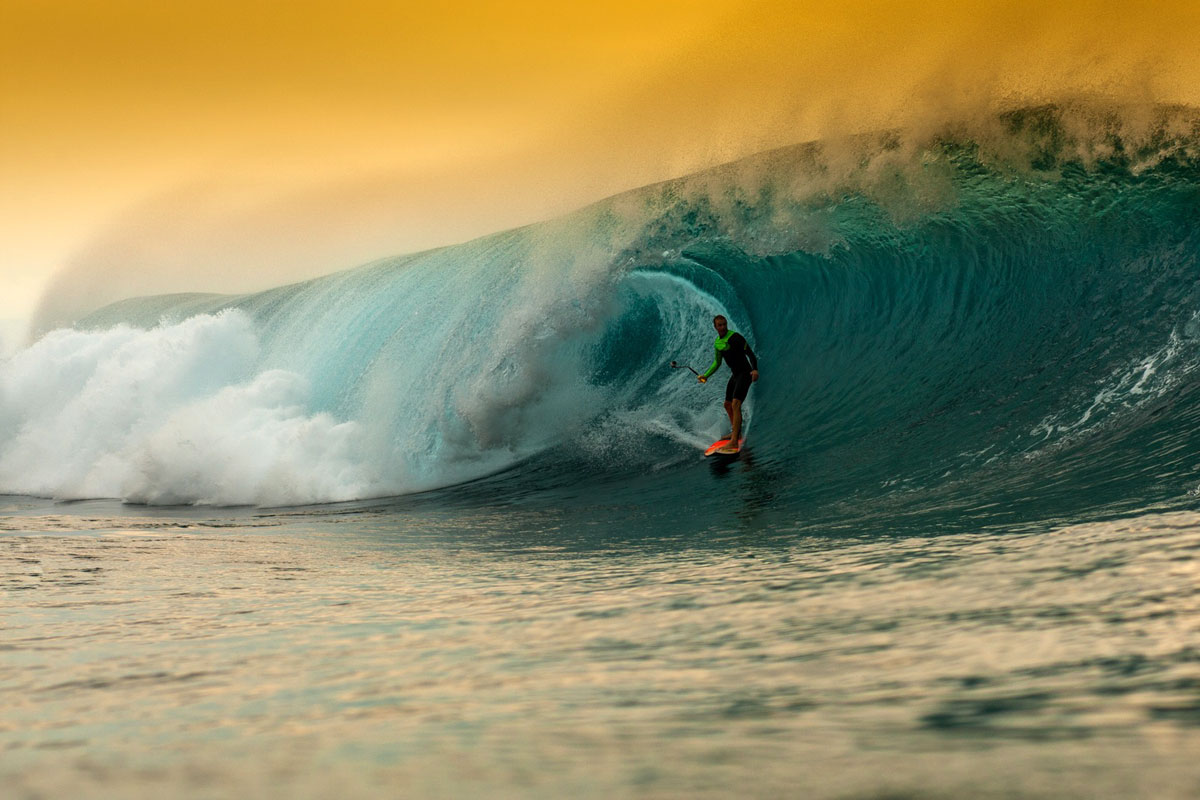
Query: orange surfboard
x=717, y=445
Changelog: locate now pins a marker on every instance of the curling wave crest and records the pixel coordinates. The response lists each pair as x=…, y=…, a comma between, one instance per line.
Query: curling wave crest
x=989, y=323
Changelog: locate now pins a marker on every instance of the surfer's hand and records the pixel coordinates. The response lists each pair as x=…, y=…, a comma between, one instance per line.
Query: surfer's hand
x=753, y=375
x=702, y=379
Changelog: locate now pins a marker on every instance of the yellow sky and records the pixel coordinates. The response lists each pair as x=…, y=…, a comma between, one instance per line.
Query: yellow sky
x=351, y=130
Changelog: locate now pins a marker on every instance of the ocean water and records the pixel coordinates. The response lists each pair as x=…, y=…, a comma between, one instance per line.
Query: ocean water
x=439, y=526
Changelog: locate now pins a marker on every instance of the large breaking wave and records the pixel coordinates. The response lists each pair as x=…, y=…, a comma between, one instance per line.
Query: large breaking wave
x=996, y=327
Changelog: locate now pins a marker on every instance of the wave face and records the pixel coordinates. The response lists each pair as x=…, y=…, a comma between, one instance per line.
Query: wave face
x=991, y=329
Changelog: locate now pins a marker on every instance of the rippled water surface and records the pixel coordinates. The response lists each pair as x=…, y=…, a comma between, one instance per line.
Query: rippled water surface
x=536, y=653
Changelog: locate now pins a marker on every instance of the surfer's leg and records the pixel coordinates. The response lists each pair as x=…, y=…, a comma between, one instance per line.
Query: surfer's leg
x=739, y=387
x=735, y=419
x=730, y=396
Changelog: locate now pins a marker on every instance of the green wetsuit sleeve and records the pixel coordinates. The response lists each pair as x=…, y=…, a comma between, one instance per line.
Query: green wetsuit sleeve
x=715, y=365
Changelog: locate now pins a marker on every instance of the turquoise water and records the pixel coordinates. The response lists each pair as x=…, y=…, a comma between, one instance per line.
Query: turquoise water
x=439, y=525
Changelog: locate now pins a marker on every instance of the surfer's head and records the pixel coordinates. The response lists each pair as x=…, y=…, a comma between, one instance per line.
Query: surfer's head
x=721, y=324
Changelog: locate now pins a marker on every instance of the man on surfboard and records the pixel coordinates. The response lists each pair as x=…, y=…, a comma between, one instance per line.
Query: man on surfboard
x=735, y=350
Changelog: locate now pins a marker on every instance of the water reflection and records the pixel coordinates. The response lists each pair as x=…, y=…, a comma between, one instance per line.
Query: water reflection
x=408, y=644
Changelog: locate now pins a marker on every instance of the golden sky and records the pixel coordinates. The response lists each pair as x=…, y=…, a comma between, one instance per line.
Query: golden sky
x=274, y=139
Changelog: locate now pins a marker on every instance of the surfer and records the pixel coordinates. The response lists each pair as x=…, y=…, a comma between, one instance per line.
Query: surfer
x=733, y=347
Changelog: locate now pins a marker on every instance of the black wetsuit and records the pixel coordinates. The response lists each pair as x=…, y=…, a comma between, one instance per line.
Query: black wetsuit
x=736, y=352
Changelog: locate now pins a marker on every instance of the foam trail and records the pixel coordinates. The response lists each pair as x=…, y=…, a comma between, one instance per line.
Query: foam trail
x=174, y=414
